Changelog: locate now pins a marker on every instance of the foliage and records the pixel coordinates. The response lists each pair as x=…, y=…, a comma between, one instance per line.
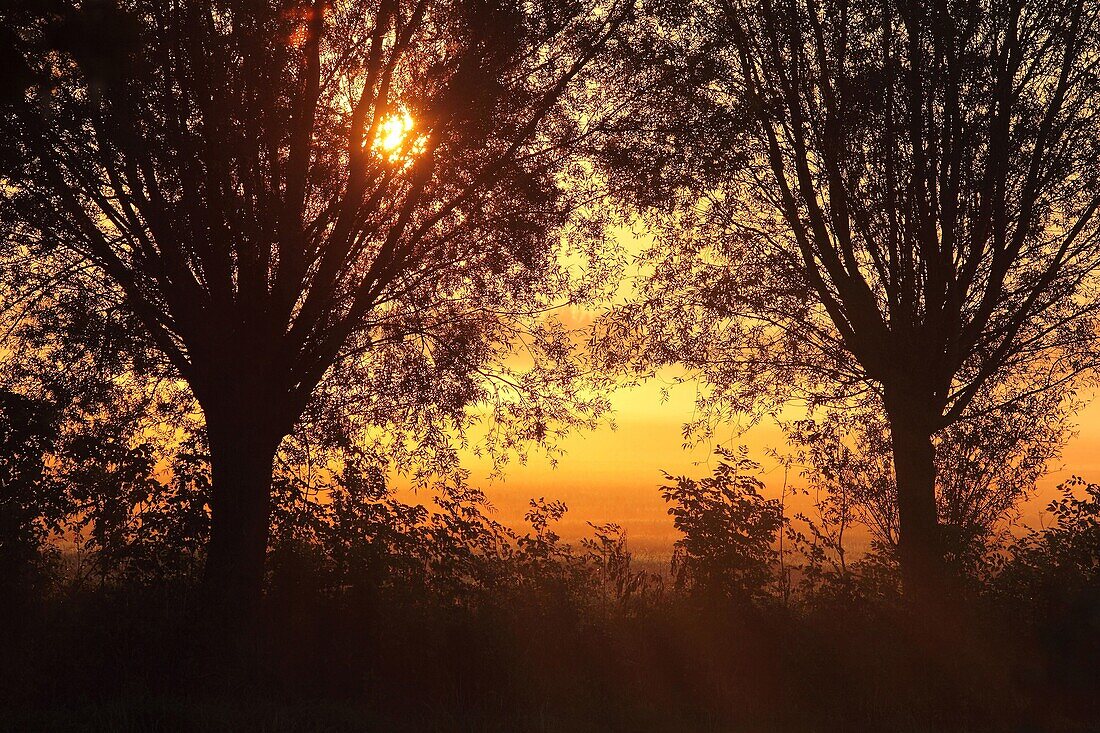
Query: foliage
x=890, y=203
x=986, y=465
x=742, y=283
x=31, y=507
x=365, y=543
x=1057, y=565
x=351, y=211
x=730, y=530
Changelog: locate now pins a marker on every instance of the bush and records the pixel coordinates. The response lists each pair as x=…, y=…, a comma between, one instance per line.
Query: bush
x=730, y=531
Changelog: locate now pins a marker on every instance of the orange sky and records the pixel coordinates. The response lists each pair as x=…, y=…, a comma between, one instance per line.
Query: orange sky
x=614, y=475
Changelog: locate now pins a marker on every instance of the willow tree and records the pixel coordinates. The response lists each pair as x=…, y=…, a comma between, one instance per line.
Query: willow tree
x=275, y=188
x=896, y=195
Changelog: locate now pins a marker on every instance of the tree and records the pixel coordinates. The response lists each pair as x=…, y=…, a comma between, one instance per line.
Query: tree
x=899, y=196
x=277, y=189
x=984, y=466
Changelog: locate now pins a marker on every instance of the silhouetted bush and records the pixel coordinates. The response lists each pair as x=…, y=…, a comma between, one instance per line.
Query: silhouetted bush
x=1062, y=560
x=729, y=529
x=30, y=505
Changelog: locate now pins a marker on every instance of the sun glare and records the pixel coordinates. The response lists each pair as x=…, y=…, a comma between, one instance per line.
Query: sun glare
x=392, y=134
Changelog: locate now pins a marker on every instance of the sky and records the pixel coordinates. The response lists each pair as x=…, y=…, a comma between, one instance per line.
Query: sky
x=614, y=475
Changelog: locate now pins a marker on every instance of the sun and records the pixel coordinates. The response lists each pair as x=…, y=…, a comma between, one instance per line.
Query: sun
x=392, y=134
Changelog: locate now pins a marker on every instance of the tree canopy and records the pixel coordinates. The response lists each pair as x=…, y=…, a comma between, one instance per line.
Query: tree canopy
x=898, y=196
x=277, y=189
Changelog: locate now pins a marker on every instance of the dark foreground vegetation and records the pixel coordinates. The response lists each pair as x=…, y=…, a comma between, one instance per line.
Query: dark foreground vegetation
x=388, y=617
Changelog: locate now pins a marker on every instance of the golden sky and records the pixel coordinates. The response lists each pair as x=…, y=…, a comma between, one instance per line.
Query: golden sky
x=611, y=475
x=615, y=475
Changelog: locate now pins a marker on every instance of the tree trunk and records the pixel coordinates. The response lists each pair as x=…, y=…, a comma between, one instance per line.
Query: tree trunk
x=920, y=546
x=243, y=443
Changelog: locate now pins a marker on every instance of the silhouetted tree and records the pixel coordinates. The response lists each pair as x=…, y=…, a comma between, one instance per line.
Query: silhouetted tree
x=984, y=467
x=896, y=194
x=275, y=189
